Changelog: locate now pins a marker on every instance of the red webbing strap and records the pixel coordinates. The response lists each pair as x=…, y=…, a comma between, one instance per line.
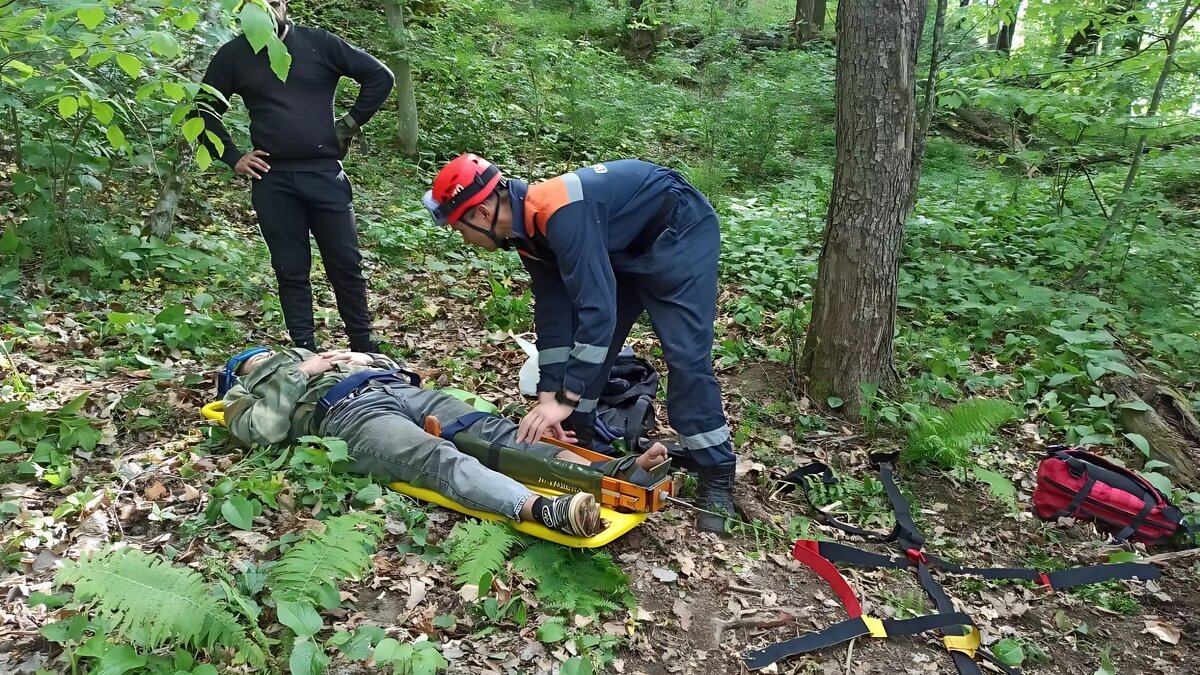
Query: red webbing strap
x=806, y=551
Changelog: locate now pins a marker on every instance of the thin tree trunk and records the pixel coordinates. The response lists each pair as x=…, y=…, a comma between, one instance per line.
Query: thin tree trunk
x=850, y=339
x=803, y=23
x=1008, y=28
x=928, y=103
x=406, y=100
x=1114, y=217
x=820, y=9
x=162, y=217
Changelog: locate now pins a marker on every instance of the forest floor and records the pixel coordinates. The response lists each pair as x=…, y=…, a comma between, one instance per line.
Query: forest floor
x=155, y=469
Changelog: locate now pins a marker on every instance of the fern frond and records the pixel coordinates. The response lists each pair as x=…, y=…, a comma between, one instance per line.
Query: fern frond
x=314, y=566
x=945, y=438
x=479, y=547
x=152, y=602
x=581, y=582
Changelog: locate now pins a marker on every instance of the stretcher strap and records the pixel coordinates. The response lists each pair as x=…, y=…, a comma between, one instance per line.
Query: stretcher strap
x=848, y=630
x=450, y=430
x=1069, y=578
x=808, y=552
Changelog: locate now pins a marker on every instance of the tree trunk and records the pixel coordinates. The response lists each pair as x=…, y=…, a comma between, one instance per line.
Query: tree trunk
x=162, y=217
x=1114, y=217
x=850, y=339
x=406, y=100
x=928, y=103
x=802, y=26
x=1168, y=426
x=1008, y=28
x=820, y=9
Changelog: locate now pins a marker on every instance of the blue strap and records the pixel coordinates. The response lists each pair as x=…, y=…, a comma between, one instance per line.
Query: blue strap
x=450, y=430
x=350, y=384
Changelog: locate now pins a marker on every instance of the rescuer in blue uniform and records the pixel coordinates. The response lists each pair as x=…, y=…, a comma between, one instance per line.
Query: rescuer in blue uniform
x=603, y=244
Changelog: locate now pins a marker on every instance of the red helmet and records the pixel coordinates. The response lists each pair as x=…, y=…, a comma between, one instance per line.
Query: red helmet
x=465, y=182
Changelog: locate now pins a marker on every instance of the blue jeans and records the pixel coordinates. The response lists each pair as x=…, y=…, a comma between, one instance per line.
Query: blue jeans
x=382, y=425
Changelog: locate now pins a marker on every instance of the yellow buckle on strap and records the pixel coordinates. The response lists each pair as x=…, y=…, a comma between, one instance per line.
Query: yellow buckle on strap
x=876, y=627
x=966, y=644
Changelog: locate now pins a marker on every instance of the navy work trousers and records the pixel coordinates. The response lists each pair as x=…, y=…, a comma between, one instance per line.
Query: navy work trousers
x=675, y=283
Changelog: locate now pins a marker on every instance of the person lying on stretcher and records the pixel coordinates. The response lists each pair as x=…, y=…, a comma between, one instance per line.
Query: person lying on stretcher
x=271, y=397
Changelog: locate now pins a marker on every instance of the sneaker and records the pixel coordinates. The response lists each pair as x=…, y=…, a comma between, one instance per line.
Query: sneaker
x=577, y=515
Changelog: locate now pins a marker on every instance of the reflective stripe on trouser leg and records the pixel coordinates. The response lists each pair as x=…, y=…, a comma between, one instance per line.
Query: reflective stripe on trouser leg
x=683, y=311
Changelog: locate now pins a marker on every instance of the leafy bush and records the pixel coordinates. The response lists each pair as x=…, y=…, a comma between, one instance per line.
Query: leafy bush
x=946, y=438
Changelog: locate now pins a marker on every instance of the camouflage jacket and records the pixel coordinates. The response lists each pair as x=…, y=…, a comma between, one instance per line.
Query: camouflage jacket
x=276, y=402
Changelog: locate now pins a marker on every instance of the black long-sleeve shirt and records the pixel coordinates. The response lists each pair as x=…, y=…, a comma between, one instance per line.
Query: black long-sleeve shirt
x=292, y=120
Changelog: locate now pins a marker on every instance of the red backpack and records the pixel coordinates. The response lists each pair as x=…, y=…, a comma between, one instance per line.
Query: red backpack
x=1081, y=485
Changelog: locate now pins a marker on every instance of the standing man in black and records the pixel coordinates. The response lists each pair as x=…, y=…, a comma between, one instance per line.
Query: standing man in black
x=295, y=165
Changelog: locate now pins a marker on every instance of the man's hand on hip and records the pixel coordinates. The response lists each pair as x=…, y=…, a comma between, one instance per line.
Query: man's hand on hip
x=252, y=164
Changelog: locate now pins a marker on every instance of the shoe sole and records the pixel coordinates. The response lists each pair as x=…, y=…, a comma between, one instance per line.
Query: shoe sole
x=584, y=515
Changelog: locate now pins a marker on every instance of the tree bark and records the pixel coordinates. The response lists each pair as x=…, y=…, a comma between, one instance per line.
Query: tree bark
x=850, y=340
x=928, y=103
x=406, y=100
x=802, y=30
x=1114, y=217
x=820, y=9
x=1168, y=426
x=162, y=217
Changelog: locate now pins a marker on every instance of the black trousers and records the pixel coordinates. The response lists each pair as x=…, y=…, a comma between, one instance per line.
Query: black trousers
x=292, y=204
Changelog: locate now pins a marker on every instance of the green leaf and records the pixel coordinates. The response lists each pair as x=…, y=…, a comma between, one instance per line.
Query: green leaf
x=68, y=106
x=172, y=315
x=834, y=402
x=116, y=137
x=307, y=658
x=239, y=512
x=426, y=659
x=1106, y=665
x=1096, y=402
x=576, y=665
x=1159, y=481
x=281, y=59
x=299, y=616
x=192, y=128
x=164, y=44
x=119, y=658
x=1009, y=651
x=11, y=448
x=1154, y=464
x=1001, y=487
x=91, y=16
x=174, y=91
x=1141, y=443
x=337, y=449
x=1123, y=557
x=203, y=158
x=369, y=494
x=76, y=404
x=50, y=601
x=1095, y=371
x=186, y=21
x=130, y=64
x=257, y=24
x=1061, y=378
x=551, y=632
x=1115, y=367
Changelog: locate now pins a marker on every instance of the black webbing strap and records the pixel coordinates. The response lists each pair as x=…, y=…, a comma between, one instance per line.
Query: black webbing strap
x=1149, y=501
x=906, y=530
x=1078, y=500
x=848, y=630
x=800, y=476
x=1076, y=576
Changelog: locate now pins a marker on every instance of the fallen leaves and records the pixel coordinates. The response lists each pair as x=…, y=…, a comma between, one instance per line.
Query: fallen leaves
x=1162, y=630
x=684, y=614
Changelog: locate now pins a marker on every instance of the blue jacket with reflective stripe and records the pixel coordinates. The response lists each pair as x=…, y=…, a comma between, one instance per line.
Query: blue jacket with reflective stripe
x=574, y=229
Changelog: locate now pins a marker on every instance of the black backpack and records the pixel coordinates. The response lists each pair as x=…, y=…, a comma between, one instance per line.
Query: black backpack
x=626, y=406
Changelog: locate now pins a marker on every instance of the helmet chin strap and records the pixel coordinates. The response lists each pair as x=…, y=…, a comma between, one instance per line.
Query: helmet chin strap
x=490, y=233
